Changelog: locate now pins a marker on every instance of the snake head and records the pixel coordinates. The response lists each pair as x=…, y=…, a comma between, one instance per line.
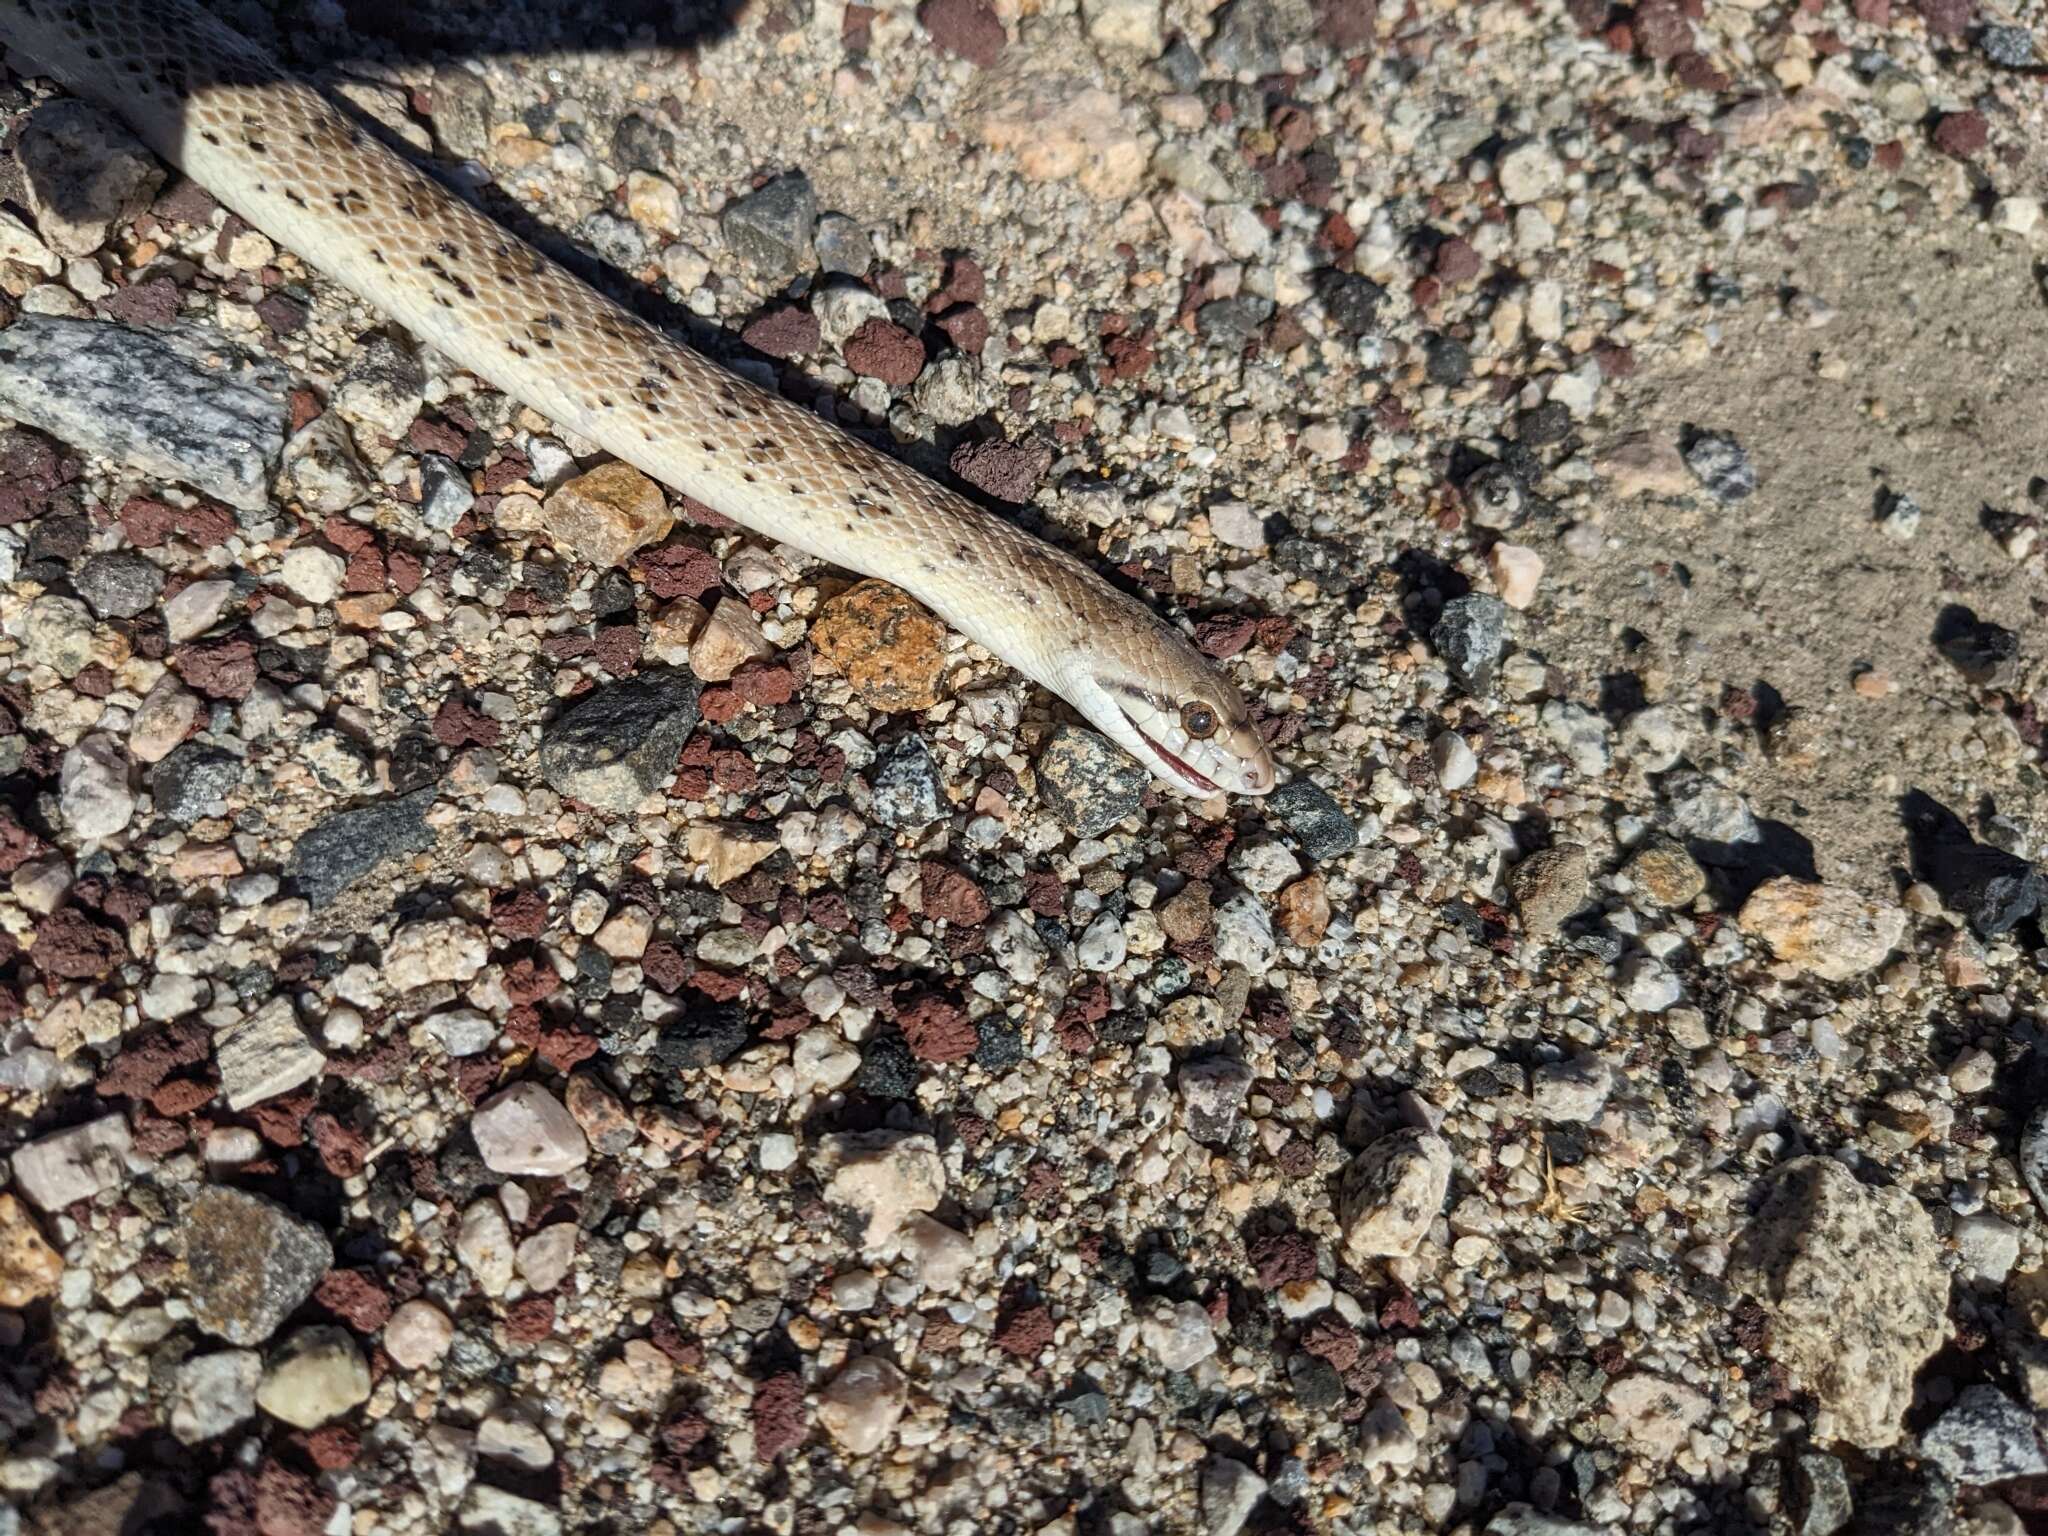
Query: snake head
x=1187, y=724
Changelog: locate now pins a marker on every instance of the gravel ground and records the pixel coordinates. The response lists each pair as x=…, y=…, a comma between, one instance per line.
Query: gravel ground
x=524, y=1009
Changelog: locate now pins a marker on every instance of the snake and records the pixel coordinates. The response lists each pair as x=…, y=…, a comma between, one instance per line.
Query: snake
x=279, y=152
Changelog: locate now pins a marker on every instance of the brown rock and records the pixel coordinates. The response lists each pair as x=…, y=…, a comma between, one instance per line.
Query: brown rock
x=29, y=1267
x=784, y=332
x=1946, y=18
x=887, y=645
x=607, y=514
x=458, y=723
x=152, y=303
x=1663, y=871
x=1007, y=471
x=1303, y=911
x=1549, y=886
x=1186, y=918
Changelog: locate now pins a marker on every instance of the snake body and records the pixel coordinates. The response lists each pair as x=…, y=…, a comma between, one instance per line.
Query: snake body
x=282, y=155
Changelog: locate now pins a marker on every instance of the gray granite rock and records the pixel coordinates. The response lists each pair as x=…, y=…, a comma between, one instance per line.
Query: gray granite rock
x=172, y=403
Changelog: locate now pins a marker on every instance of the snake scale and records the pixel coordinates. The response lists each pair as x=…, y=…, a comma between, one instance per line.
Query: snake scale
x=282, y=155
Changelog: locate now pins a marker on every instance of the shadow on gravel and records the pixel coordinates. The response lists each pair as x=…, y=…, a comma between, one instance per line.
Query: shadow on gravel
x=1734, y=870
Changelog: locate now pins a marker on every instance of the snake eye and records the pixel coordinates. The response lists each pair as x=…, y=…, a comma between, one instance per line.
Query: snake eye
x=1198, y=720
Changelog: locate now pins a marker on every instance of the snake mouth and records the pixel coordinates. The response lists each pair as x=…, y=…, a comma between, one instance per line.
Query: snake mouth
x=1189, y=775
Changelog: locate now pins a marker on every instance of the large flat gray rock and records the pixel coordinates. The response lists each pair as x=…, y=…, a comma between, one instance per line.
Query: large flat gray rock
x=178, y=404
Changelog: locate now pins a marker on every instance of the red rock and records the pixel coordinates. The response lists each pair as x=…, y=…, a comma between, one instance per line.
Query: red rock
x=1129, y=357
x=1282, y=1258
x=1400, y=1310
x=281, y=1121
x=965, y=284
x=718, y=704
x=185, y=202
x=343, y=1150
x=219, y=669
x=145, y=1062
x=148, y=523
x=1457, y=262
x=937, y=1030
x=565, y=1049
x=663, y=964
x=1696, y=72
x=1224, y=637
x=282, y=314
x=430, y=434
x=1329, y=1337
x=618, y=648
x=458, y=723
x=1877, y=13
x=507, y=469
x=94, y=681
x=1007, y=471
x=230, y=1503
x=290, y=1503
x=681, y=570
x=332, y=1447
x=180, y=1097
x=882, y=349
x=1024, y=1333
x=951, y=895
x=354, y=1297
x=530, y=1320
x=17, y=844
x=966, y=29
x=732, y=769
x=151, y=303
x=528, y=982
x=155, y=1136
x=781, y=1418
x=784, y=332
x=346, y=535
x=765, y=684
x=1616, y=361
x=72, y=946
x=1961, y=134
x=520, y=914
x=966, y=327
